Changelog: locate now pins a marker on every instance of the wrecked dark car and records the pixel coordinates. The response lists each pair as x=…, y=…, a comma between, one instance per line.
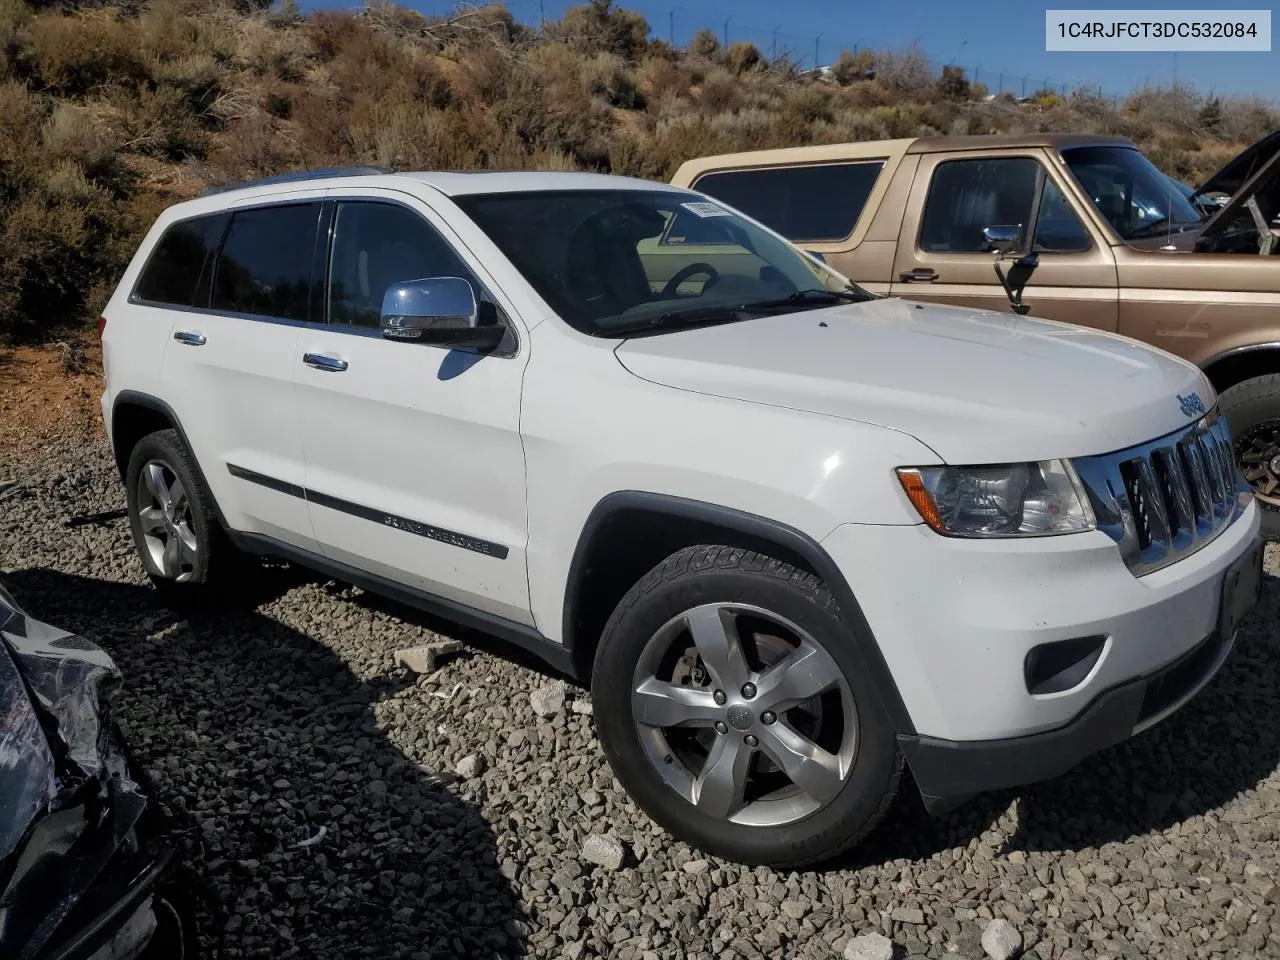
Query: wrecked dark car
x=85, y=870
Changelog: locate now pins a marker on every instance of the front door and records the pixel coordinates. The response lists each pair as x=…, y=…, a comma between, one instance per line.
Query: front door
x=415, y=468
x=943, y=255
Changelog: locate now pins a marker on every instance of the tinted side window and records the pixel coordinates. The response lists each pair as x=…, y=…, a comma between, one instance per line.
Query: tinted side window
x=376, y=245
x=1058, y=229
x=180, y=259
x=966, y=196
x=804, y=204
x=264, y=266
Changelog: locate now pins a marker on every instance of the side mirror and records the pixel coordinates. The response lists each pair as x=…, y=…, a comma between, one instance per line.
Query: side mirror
x=441, y=311
x=1003, y=239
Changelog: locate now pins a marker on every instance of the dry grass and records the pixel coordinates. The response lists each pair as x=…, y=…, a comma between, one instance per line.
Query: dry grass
x=112, y=111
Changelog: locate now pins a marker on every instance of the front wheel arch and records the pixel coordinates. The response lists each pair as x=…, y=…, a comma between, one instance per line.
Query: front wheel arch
x=628, y=532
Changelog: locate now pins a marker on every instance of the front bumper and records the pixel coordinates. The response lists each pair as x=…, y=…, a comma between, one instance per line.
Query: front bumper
x=956, y=620
x=949, y=772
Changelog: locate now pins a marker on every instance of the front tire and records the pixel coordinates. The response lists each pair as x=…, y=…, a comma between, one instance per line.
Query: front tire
x=175, y=531
x=1252, y=409
x=732, y=712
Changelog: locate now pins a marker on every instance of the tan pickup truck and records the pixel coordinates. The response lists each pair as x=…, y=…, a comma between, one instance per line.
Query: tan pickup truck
x=1083, y=229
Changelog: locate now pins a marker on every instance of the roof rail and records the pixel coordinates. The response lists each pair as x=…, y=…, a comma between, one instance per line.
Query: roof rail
x=366, y=170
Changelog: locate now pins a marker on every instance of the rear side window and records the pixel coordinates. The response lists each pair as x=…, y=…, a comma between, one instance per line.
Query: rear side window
x=804, y=204
x=967, y=196
x=264, y=267
x=179, y=265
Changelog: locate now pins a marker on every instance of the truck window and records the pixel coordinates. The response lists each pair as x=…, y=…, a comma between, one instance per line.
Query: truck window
x=1058, y=229
x=810, y=204
x=966, y=196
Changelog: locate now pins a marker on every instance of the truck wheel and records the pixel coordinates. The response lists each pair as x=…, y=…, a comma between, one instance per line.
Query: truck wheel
x=731, y=712
x=1252, y=409
x=176, y=534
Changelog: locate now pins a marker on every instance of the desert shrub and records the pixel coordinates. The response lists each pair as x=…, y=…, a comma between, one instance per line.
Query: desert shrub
x=850, y=67
x=601, y=26
x=744, y=57
x=1175, y=106
x=71, y=55
x=906, y=72
x=953, y=84
x=704, y=44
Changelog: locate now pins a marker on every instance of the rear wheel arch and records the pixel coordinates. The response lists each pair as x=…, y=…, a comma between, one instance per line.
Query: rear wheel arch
x=629, y=532
x=134, y=415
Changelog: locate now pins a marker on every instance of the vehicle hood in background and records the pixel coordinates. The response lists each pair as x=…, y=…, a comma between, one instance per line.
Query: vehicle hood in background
x=976, y=386
x=1240, y=168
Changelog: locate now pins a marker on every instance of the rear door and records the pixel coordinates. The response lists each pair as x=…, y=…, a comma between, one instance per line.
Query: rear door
x=943, y=256
x=228, y=368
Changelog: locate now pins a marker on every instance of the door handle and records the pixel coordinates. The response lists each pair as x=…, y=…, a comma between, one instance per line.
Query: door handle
x=919, y=274
x=189, y=338
x=320, y=362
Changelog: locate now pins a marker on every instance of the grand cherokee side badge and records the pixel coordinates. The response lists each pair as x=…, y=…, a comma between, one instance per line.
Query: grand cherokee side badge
x=1191, y=404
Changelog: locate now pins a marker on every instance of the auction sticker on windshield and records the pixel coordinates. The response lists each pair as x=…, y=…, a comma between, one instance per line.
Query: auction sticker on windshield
x=703, y=209
x=1169, y=31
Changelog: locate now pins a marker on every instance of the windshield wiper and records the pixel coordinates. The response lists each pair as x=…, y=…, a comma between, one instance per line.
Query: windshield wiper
x=682, y=318
x=808, y=296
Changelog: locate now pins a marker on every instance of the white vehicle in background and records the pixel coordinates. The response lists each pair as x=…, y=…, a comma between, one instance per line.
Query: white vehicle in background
x=794, y=535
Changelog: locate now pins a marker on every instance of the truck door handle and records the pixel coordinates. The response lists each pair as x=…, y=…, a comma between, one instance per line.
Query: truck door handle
x=919, y=275
x=189, y=338
x=320, y=362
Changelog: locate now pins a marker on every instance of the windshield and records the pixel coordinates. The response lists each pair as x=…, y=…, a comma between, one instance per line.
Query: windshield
x=615, y=263
x=1136, y=198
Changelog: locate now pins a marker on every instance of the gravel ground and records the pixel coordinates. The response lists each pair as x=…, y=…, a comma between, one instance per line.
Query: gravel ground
x=265, y=726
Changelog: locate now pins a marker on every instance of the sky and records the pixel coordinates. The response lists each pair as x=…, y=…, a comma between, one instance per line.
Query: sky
x=999, y=42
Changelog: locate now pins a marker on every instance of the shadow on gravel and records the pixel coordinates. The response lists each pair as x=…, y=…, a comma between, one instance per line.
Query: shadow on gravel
x=257, y=737
x=1216, y=748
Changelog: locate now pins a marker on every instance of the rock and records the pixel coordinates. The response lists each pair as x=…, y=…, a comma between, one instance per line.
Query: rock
x=697, y=866
x=603, y=851
x=548, y=700
x=794, y=909
x=869, y=946
x=426, y=657
x=907, y=915
x=1001, y=940
x=581, y=706
x=470, y=766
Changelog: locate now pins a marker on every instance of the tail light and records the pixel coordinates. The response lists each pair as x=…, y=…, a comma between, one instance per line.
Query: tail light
x=102, y=326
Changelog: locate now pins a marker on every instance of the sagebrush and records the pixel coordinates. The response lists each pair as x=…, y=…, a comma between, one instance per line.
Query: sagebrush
x=110, y=111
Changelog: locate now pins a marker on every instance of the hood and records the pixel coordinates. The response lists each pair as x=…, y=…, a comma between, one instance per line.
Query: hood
x=976, y=386
x=1241, y=167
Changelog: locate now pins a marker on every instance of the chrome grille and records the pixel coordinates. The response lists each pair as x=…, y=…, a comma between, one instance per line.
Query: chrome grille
x=1164, y=500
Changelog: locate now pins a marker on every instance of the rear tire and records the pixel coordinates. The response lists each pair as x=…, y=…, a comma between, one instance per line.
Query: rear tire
x=1252, y=409
x=766, y=765
x=183, y=549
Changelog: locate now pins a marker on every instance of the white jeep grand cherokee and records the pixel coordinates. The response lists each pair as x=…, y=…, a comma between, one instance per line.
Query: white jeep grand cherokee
x=797, y=536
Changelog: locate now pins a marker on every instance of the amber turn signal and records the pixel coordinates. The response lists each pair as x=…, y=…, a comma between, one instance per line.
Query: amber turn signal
x=920, y=498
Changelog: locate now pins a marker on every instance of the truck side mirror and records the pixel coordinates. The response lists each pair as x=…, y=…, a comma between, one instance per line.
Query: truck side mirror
x=1002, y=239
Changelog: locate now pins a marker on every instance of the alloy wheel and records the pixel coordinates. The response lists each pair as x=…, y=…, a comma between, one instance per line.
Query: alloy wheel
x=1259, y=451
x=744, y=715
x=164, y=512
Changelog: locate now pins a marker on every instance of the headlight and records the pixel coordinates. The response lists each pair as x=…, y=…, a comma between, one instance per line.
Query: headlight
x=1005, y=500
